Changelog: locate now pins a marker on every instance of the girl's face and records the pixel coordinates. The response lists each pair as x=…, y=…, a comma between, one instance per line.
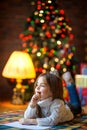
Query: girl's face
x=43, y=88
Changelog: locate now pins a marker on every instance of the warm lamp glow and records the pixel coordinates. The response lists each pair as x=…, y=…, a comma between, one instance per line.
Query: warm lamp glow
x=19, y=66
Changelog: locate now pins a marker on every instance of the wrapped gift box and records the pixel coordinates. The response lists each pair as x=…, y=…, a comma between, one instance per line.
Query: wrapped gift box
x=81, y=85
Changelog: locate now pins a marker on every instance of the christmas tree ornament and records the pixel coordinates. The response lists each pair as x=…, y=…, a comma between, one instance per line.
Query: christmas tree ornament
x=48, y=34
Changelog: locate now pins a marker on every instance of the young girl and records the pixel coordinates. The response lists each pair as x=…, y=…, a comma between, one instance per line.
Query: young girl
x=47, y=106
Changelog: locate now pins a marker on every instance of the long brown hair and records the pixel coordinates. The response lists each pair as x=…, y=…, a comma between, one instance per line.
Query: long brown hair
x=55, y=83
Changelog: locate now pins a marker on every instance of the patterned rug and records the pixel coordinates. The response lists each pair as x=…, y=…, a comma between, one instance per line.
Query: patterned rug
x=79, y=123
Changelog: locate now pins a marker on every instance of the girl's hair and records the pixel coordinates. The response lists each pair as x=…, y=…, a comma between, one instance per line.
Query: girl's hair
x=55, y=83
x=56, y=88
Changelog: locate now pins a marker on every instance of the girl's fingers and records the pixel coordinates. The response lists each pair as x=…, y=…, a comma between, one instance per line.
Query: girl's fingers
x=21, y=120
x=36, y=96
x=34, y=100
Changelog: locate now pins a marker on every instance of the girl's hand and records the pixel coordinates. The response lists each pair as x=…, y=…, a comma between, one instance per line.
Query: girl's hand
x=35, y=98
x=24, y=121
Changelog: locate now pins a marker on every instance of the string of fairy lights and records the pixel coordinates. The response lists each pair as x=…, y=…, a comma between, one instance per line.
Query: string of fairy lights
x=48, y=38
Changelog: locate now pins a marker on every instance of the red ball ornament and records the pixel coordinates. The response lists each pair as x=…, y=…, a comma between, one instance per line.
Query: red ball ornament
x=31, y=29
x=61, y=12
x=58, y=66
x=50, y=54
x=62, y=36
x=43, y=4
x=38, y=2
x=68, y=63
x=38, y=7
x=37, y=21
x=48, y=34
x=28, y=19
x=47, y=17
x=24, y=44
x=52, y=27
x=63, y=29
x=29, y=36
x=25, y=38
x=44, y=26
x=21, y=36
x=52, y=51
x=51, y=7
x=53, y=12
x=40, y=70
x=60, y=23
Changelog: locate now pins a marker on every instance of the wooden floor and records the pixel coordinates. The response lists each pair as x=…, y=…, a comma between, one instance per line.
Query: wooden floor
x=8, y=106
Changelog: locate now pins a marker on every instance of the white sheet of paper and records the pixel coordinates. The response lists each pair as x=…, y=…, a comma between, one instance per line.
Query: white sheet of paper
x=16, y=124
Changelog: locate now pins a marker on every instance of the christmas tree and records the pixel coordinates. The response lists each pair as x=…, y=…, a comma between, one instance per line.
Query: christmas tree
x=48, y=38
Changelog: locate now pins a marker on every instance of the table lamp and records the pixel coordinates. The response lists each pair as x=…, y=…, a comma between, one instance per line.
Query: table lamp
x=19, y=66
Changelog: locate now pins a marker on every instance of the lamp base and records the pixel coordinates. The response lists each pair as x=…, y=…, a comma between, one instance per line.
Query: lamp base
x=18, y=96
x=18, y=93
x=17, y=101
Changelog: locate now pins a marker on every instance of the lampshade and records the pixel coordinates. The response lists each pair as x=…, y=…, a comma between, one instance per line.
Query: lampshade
x=19, y=66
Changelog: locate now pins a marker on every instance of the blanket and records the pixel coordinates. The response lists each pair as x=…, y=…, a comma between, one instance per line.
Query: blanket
x=79, y=123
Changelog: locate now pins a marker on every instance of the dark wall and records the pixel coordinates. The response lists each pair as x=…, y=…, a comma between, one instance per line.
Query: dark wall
x=77, y=12
x=13, y=13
